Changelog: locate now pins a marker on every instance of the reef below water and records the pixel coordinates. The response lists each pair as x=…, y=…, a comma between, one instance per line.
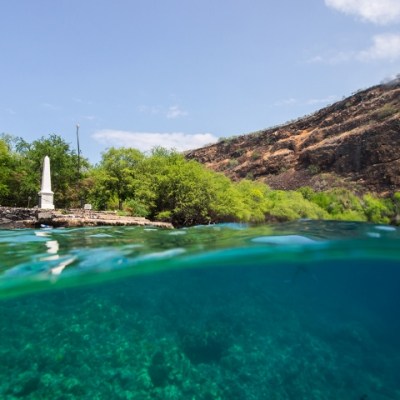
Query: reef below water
x=304, y=310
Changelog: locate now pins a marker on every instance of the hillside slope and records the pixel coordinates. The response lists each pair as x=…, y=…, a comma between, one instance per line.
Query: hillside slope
x=353, y=143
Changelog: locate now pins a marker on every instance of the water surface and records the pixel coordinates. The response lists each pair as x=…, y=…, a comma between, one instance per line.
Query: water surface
x=306, y=310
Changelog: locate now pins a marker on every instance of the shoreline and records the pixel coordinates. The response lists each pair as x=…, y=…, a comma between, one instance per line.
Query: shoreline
x=19, y=218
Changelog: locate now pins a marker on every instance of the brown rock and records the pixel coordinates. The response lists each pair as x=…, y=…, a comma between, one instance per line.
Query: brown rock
x=354, y=141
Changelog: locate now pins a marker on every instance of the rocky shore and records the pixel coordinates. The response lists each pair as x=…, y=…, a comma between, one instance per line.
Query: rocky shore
x=11, y=218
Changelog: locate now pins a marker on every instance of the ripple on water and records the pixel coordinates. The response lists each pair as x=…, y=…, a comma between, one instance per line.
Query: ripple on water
x=284, y=240
x=386, y=228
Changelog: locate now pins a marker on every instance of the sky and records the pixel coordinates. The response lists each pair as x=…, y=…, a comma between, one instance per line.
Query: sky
x=183, y=73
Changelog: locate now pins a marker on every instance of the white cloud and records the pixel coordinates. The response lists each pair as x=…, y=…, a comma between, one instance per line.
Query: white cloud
x=145, y=141
x=385, y=47
x=175, y=112
x=390, y=79
x=333, y=57
x=375, y=11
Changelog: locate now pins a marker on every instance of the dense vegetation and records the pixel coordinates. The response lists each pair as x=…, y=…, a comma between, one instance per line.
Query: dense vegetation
x=163, y=185
x=21, y=165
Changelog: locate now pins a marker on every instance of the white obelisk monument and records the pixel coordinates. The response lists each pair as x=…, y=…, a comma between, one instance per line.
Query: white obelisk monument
x=45, y=194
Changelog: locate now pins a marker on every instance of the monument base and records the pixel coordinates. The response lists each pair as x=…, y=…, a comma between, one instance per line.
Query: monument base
x=46, y=201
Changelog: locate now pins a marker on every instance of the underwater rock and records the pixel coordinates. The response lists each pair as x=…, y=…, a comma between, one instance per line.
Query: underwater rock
x=159, y=370
x=204, y=347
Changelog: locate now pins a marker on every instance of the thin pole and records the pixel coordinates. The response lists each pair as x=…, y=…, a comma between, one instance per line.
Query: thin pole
x=79, y=161
x=79, y=151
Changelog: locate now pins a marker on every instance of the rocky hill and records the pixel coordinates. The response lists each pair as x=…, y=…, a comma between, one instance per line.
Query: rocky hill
x=353, y=143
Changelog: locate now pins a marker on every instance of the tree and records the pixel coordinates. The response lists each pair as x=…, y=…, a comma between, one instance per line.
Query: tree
x=184, y=192
x=378, y=210
x=115, y=175
x=6, y=162
x=25, y=175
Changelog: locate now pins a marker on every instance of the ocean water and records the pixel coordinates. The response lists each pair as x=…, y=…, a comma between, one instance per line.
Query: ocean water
x=304, y=310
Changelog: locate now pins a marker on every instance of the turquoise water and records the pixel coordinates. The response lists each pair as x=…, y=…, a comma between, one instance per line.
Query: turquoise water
x=305, y=310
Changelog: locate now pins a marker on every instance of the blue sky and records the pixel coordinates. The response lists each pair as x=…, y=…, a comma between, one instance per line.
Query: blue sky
x=182, y=73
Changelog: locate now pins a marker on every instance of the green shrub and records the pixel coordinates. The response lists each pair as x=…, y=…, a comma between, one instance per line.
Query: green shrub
x=256, y=155
x=337, y=201
x=250, y=176
x=290, y=205
x=384, y=112
x=254, y=200
x=396, y=202
x=164, y=216
x=377, y=210
x=238, y=153
x=167, y=187
x=233, y=163
x=307, y=192
x=313, y=169
x=396, y=208
x=136, y=208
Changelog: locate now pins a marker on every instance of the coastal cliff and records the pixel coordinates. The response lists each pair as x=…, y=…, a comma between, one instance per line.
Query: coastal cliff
x=353, y=143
